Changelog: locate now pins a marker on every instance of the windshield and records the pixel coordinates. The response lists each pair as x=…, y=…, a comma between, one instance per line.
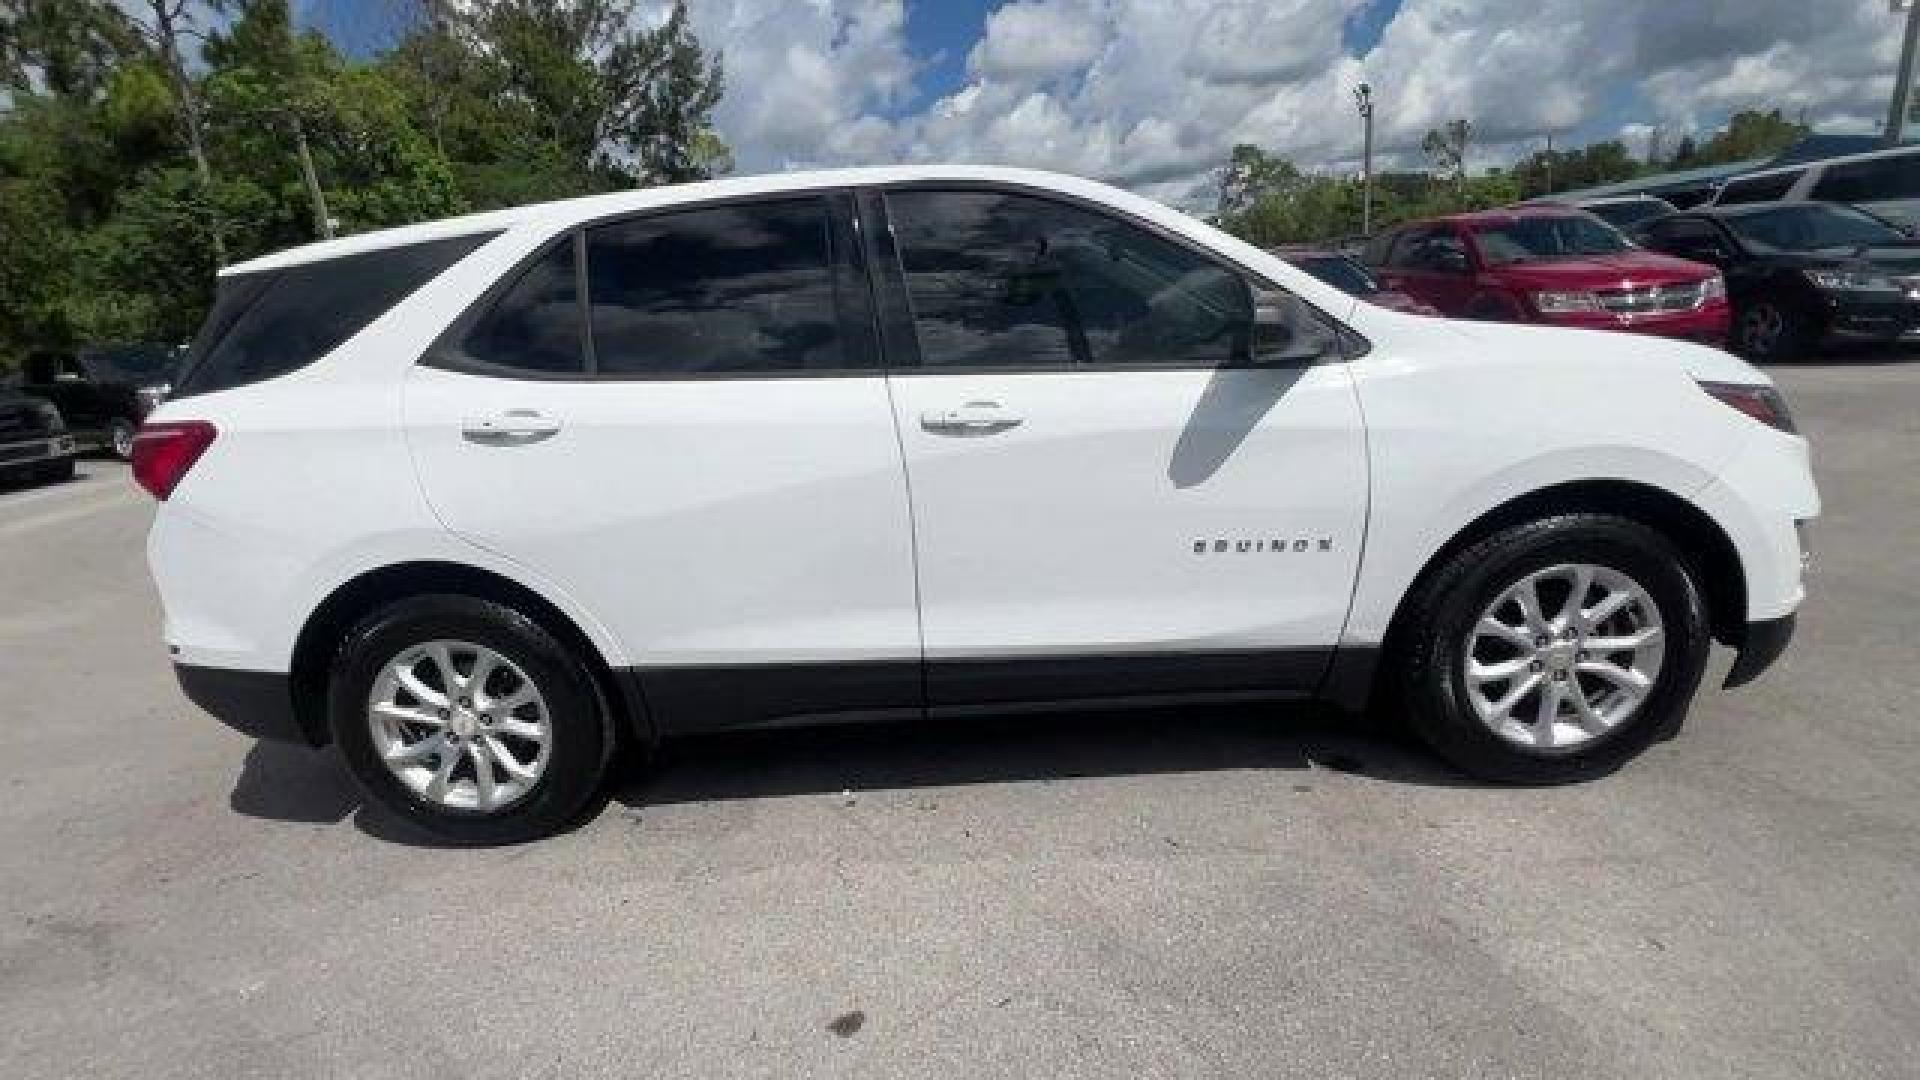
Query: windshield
x=1625, y=215
x=1341, y=273
x=130, y=363
x=1810, y=226
x=1546, y=239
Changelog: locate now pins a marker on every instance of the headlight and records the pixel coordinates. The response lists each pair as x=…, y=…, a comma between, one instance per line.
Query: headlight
x=1852, y=281
x=50, y=415
x=1714, y=288
x=1565, y=303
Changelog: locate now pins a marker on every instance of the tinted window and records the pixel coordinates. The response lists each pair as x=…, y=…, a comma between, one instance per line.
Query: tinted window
x=1812, y=226
x=535, y=325
x=1770, y=188
x=1691, y=233
x=269, y=323
x=1007, y=280
x=1876, y=180
x=1341, y=273
x=743, y=288
x=1433, y=247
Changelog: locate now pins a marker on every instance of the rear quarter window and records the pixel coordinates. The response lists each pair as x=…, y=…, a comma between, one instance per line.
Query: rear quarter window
x=267, y=324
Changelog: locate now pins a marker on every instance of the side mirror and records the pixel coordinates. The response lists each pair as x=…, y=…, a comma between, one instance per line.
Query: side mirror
x=1287, y=331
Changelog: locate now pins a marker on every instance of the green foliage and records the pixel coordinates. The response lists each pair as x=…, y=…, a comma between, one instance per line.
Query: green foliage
x=109, y=235
x=1546, y=172
x=1749, y=134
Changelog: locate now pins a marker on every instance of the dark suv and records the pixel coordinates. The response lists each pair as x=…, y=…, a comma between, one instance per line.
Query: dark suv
x=1802, y=273
x=104, y=391
x=33, y=439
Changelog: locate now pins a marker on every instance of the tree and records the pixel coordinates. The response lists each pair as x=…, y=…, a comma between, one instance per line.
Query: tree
x=1446, y=149
x=167, y=21
x=68, y=47
x=622, y=104
x=1250, y=174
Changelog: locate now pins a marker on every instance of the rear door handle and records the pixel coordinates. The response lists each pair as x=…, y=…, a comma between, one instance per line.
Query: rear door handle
x=522, y=424
x=975, y=416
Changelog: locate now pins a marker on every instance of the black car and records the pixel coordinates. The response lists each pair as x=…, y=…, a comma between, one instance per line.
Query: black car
x=104, y=391
x=34, y=443
x=1801, y=273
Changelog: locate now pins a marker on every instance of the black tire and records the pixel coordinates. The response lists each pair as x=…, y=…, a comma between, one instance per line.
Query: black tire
x=120, y=432
x=582, y=729
x=1430, y=653
x=56, y=471
x=1769, y=328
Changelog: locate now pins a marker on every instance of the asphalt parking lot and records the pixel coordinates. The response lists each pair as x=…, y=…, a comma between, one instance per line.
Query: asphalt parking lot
x=1232, y=892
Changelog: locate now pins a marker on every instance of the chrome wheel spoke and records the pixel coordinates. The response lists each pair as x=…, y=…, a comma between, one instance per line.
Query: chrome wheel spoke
x=1547, y=714
x=506, y=743
x=1574, y=613
x=1624, y=643
x=1512, y=635
x=510, y=764
x=1627, y=679
x=1503, y=709
x=1527, y=595
x=1500, y=672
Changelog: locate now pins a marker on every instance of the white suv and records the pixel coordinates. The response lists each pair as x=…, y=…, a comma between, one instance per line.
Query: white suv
x=482, y=499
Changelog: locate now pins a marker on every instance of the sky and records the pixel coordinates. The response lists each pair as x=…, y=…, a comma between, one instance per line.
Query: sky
x=1152, y=94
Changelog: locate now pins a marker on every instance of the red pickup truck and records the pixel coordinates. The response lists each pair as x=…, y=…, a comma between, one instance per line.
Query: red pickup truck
x=1550, y=264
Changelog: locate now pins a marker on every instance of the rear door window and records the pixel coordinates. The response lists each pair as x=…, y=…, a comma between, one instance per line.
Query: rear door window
x=535, y=326
x=267, y=324
x=753, y=288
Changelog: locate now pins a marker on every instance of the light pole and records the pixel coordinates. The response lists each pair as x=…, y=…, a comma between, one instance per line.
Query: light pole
x=1363, y=97
x=1903, y=83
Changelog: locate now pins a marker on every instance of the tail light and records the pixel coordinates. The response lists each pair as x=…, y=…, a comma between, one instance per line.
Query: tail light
x=1763, y=403
x=162, y=453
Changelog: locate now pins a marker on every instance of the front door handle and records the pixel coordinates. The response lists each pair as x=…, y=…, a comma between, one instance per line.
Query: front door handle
x=524, y=425
x=974, y=416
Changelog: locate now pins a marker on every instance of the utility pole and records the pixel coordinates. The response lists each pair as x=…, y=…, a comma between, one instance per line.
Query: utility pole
x=322, y=221
x=1903, y=83
x=1549, y=161
x=1363, y=97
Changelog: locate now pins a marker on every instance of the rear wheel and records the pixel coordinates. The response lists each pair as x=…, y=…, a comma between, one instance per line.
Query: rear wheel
x=469, y=720
x=1555, y=650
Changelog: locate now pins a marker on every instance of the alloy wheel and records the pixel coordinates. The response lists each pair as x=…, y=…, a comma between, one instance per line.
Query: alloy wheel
x=1761, y=328
x=1561, y=680
x=462, y=726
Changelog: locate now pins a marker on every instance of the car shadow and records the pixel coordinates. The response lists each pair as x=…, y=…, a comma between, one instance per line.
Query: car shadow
x=281, y=782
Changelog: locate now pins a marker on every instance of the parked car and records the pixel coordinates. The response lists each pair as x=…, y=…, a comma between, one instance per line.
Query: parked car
x=482, y=499
x=34, y=443
x=1551, y=264
x=1345, y=273
x=1884, y=182
x=106, y=391
x=1625, y=212
x=1801, y=273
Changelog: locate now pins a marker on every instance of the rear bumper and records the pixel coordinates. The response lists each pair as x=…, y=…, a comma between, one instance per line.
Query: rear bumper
x=1764, y=643
x=258, y=704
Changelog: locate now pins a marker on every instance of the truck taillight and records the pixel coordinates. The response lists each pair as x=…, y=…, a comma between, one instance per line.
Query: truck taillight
x=162, y=453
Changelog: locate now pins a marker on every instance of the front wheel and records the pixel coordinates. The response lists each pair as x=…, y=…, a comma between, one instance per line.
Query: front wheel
x=120, y=432
x=469, y=720
x=1770, y=329
x=1553, y=651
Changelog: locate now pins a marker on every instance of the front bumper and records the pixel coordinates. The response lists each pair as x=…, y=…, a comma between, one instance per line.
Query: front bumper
x=1764, y=643
x=258, y=704
x=1708, y=325
x=1859, y=318
x=28, y=451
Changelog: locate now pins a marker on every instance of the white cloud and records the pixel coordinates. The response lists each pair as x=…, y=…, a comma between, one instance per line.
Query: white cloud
x=1153, y=93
